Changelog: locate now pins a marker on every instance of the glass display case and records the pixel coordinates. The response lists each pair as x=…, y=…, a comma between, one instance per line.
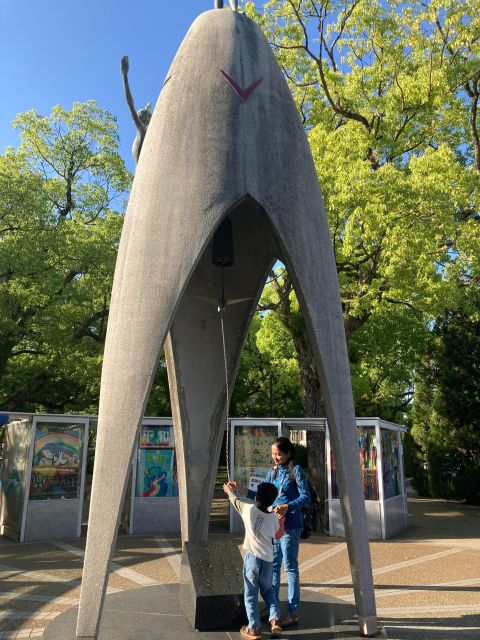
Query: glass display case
x=55, y=478
x=13, y=471
x=57, y=461
x=154, y=478
x=43, y=473
x=156, y=462
x=381, y=463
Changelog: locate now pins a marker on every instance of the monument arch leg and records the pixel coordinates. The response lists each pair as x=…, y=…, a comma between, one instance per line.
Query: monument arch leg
x=144, y=300
x=309, y=260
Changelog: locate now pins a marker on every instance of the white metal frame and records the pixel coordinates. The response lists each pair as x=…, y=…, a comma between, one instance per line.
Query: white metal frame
x=17, y=417
x=145, y=422
x=400, y=461
x=55, y=419
x=28, y=477
x=378, y=438
x=378, y=424
x=328, y=459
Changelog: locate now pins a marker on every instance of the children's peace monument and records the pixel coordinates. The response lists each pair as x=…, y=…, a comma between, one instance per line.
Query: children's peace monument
x=224, y=187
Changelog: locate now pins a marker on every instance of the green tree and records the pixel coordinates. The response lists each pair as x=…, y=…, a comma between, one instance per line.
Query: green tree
x=62, y=193
x=446, y=412
x=388, y=93
x=268, y=379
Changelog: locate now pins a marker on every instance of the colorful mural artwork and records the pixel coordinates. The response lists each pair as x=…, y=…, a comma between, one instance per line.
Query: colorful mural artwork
x=155, y=470
x=253, y=452
x=368, y=463
x=390, y=463
x=56, y=463
x=157, y=436
x=333, y=474
x=12, y=474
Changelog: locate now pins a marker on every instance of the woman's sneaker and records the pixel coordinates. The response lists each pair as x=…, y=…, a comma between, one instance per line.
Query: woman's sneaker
x=289, y=620
x=275, y=628
x=250, y=633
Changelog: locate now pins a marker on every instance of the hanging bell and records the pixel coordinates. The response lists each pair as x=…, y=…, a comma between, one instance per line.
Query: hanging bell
x=222, y=250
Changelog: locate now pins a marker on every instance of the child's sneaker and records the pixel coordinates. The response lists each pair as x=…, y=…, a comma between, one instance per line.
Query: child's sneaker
x=250, y=633
x=275, y=628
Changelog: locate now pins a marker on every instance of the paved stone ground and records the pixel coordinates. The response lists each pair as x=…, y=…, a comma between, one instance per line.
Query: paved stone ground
x=427, y=580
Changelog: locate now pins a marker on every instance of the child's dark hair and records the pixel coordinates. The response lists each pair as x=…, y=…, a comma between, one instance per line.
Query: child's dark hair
x=266, y=494
x=286, y=447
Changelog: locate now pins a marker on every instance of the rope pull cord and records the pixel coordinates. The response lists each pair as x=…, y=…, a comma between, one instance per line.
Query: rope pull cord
x=223, y=256
x=227, y=391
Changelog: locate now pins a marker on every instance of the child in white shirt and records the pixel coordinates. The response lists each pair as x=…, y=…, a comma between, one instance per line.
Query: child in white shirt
x=261, y=528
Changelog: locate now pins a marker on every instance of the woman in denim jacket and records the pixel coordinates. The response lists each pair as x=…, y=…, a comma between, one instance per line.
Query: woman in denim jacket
x=293, y=495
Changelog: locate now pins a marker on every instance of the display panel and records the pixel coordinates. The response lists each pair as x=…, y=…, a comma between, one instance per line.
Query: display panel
x=155, y=473
x=390, y=463
x=12, y=476
x=156, y=437
x=56, y=466
x=253, y=454
x=156, y=464
x=368, y=462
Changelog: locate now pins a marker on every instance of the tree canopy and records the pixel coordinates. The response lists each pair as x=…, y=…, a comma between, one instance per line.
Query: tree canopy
x=388, y=94
x=62, y=193
x=446, y=412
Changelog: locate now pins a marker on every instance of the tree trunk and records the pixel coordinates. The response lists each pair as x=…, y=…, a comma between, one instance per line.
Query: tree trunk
x=316, y=465
x=18, y=400
x=313, y=408
x=311, y=397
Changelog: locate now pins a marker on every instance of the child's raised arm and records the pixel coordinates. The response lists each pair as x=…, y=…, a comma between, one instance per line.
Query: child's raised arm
x=228, y=488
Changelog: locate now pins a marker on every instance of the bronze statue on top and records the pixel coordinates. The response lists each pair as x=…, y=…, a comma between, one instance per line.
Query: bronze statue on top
x=141, y=118
x=233, y=4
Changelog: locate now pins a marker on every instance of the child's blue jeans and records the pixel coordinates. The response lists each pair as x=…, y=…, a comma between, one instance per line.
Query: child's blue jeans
x=257, y=576
x=287, y=549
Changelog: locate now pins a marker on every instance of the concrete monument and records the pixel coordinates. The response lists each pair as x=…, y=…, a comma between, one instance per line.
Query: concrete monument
x=225, y=142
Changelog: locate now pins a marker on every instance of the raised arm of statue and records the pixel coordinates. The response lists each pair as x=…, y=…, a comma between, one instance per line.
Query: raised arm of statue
x=128, y=94
x=141, y=118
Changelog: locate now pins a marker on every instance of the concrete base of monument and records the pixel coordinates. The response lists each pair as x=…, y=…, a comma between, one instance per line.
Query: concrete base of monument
x=154, y=612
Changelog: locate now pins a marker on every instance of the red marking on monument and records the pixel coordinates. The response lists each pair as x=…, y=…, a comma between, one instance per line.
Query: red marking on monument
x=243, y=94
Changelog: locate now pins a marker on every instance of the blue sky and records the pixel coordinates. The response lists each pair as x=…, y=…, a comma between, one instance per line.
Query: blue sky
x=61, y=51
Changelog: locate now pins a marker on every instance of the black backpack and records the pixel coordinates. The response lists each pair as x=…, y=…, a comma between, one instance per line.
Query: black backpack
x=310, y=512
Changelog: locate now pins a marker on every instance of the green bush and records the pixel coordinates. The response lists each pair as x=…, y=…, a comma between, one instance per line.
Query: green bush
x=467, y=482
x=443, y=466
x=451, y=474
x=415, y=467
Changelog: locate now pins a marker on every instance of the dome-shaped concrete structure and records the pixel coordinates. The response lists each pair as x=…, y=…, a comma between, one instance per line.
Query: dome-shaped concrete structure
x=225, y=139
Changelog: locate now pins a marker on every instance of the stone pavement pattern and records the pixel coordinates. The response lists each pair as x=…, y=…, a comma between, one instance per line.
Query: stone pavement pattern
x=427, y=581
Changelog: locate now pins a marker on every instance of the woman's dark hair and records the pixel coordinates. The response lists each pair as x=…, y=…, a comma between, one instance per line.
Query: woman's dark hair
x=285, y=446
